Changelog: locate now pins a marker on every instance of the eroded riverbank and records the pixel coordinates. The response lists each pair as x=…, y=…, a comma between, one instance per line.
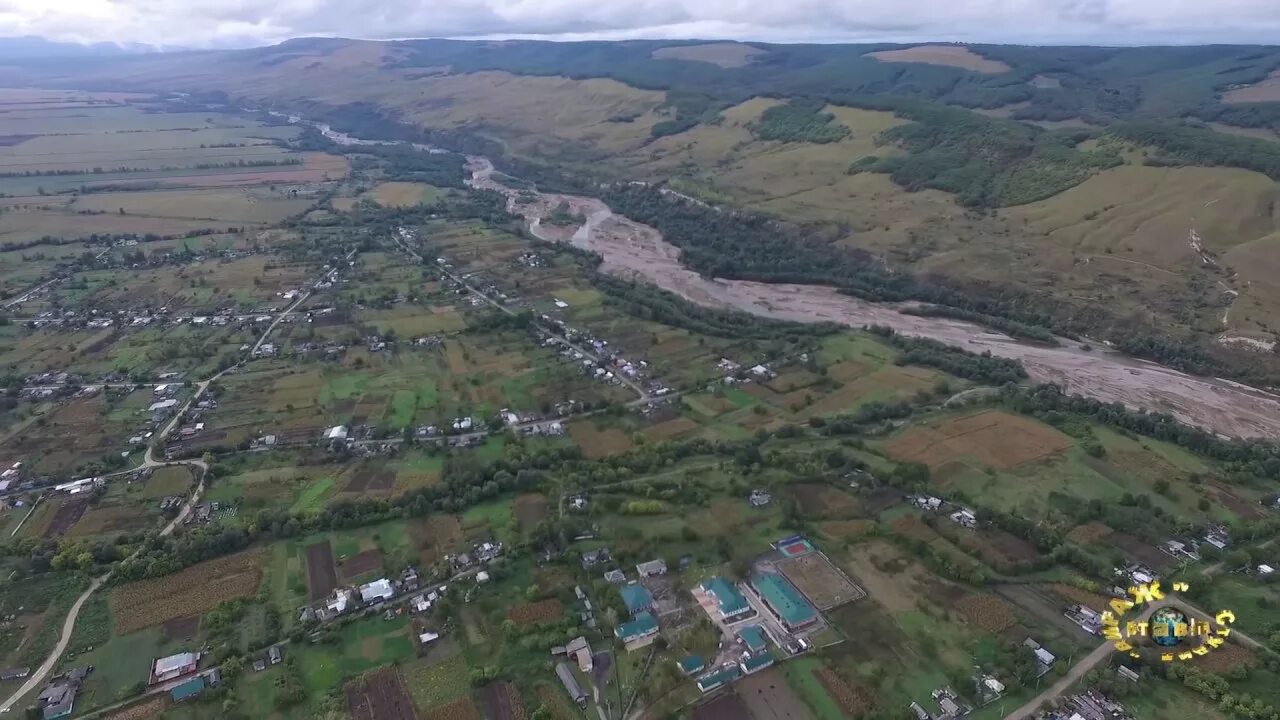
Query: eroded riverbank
x=635, y=251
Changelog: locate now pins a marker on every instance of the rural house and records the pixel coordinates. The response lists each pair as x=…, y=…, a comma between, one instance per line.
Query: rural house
x=174, y=666
x=639, y=632
x=651, y=568
x=377, y=591
x=636, y=598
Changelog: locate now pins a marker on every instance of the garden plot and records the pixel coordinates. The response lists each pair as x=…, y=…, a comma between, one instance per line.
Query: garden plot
x=819, y=580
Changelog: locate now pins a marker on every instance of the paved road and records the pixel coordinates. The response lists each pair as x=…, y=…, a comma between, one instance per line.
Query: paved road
x=1105, y=651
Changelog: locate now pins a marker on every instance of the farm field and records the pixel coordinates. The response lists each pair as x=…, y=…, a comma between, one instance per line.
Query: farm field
x=193, y=591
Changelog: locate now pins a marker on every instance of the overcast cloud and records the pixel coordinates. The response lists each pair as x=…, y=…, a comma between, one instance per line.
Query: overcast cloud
x=204, y=23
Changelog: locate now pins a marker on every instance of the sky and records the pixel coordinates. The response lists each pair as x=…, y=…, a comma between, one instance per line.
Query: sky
x=243, y=23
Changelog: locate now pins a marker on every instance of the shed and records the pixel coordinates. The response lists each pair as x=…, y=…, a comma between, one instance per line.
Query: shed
x=691, y=664
x=187, y=690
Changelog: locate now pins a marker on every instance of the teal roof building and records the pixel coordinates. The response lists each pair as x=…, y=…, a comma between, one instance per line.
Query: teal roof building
x=187, y=690
x=692, y=664
x=753, y=637
x=758, y=661
x=636, y=598
x=713, y=680
x=643, y=625
x=729, y=601
x=784, y=600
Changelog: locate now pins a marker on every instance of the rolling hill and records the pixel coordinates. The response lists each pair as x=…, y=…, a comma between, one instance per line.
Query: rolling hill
x=1122, y=193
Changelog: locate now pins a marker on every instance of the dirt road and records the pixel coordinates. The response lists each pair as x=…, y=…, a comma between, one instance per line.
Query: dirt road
x=635, y=251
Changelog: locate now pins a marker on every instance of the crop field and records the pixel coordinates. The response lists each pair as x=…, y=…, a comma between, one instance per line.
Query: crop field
x=193, y=591
x=768, y=696
x=321, y=574
x=530, y=509
x=379, y=695
x=825, y=501
x=502, y=702
x=727, y=706
x=434, y=685
x=987, y=612
x=57, y=438
x=949, y=55
x=597, y=442
x=548, y=610
x=991, y=439
x=819, y=580
x=231, y=205
x=403, y=194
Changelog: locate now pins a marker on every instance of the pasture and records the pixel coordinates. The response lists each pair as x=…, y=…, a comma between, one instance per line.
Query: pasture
x=723, y=54
x=949, y=55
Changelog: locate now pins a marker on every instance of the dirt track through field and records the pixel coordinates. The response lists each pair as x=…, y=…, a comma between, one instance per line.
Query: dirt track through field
x=639, y=252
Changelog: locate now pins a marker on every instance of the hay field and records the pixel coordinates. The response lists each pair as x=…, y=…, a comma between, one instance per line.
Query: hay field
x=724, y=54
x=220, y=205
x=948, y=55
x=1266, y=90
x=403, y=194
x=991, y=439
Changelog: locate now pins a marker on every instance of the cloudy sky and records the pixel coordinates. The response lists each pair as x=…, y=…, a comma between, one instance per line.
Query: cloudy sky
x=200, y=23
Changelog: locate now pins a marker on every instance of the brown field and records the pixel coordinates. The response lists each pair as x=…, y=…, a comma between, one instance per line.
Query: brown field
x=769, y=697
x=322, y=577
x=502, y=702
x=552, y=576
x=436, y=535
x=724, y=54
x=949, y=55
x=1143, y=552
x=361, y=563
x=403, y=194
x=67, y=515
x=537, y=612
x=193, y=591
x=670, y=428
x=821, y=581
x=108, y=517
x=855, y=701
x=379, y=695
x=824, y=501
x=146, y=710
x=990, y=438
x=841, y=529
x=1267, y=90
x=530, y=509
x=1225, y=658
x=182, y=628
x=987, y=612
x=461, y=709
x=910, y=526
x=997, y=546
x=726, y=707
x=316, y=167
x=1078, y=596
x=1089, y=532
x=597, y=443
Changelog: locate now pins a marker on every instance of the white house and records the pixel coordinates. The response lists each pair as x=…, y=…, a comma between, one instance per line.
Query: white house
x=377, y=591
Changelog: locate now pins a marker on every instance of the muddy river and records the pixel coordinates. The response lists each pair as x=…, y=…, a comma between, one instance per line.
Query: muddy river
x=635, y=251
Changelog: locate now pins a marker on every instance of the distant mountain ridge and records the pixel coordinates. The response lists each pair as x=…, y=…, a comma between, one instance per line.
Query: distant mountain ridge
x=34, y=47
